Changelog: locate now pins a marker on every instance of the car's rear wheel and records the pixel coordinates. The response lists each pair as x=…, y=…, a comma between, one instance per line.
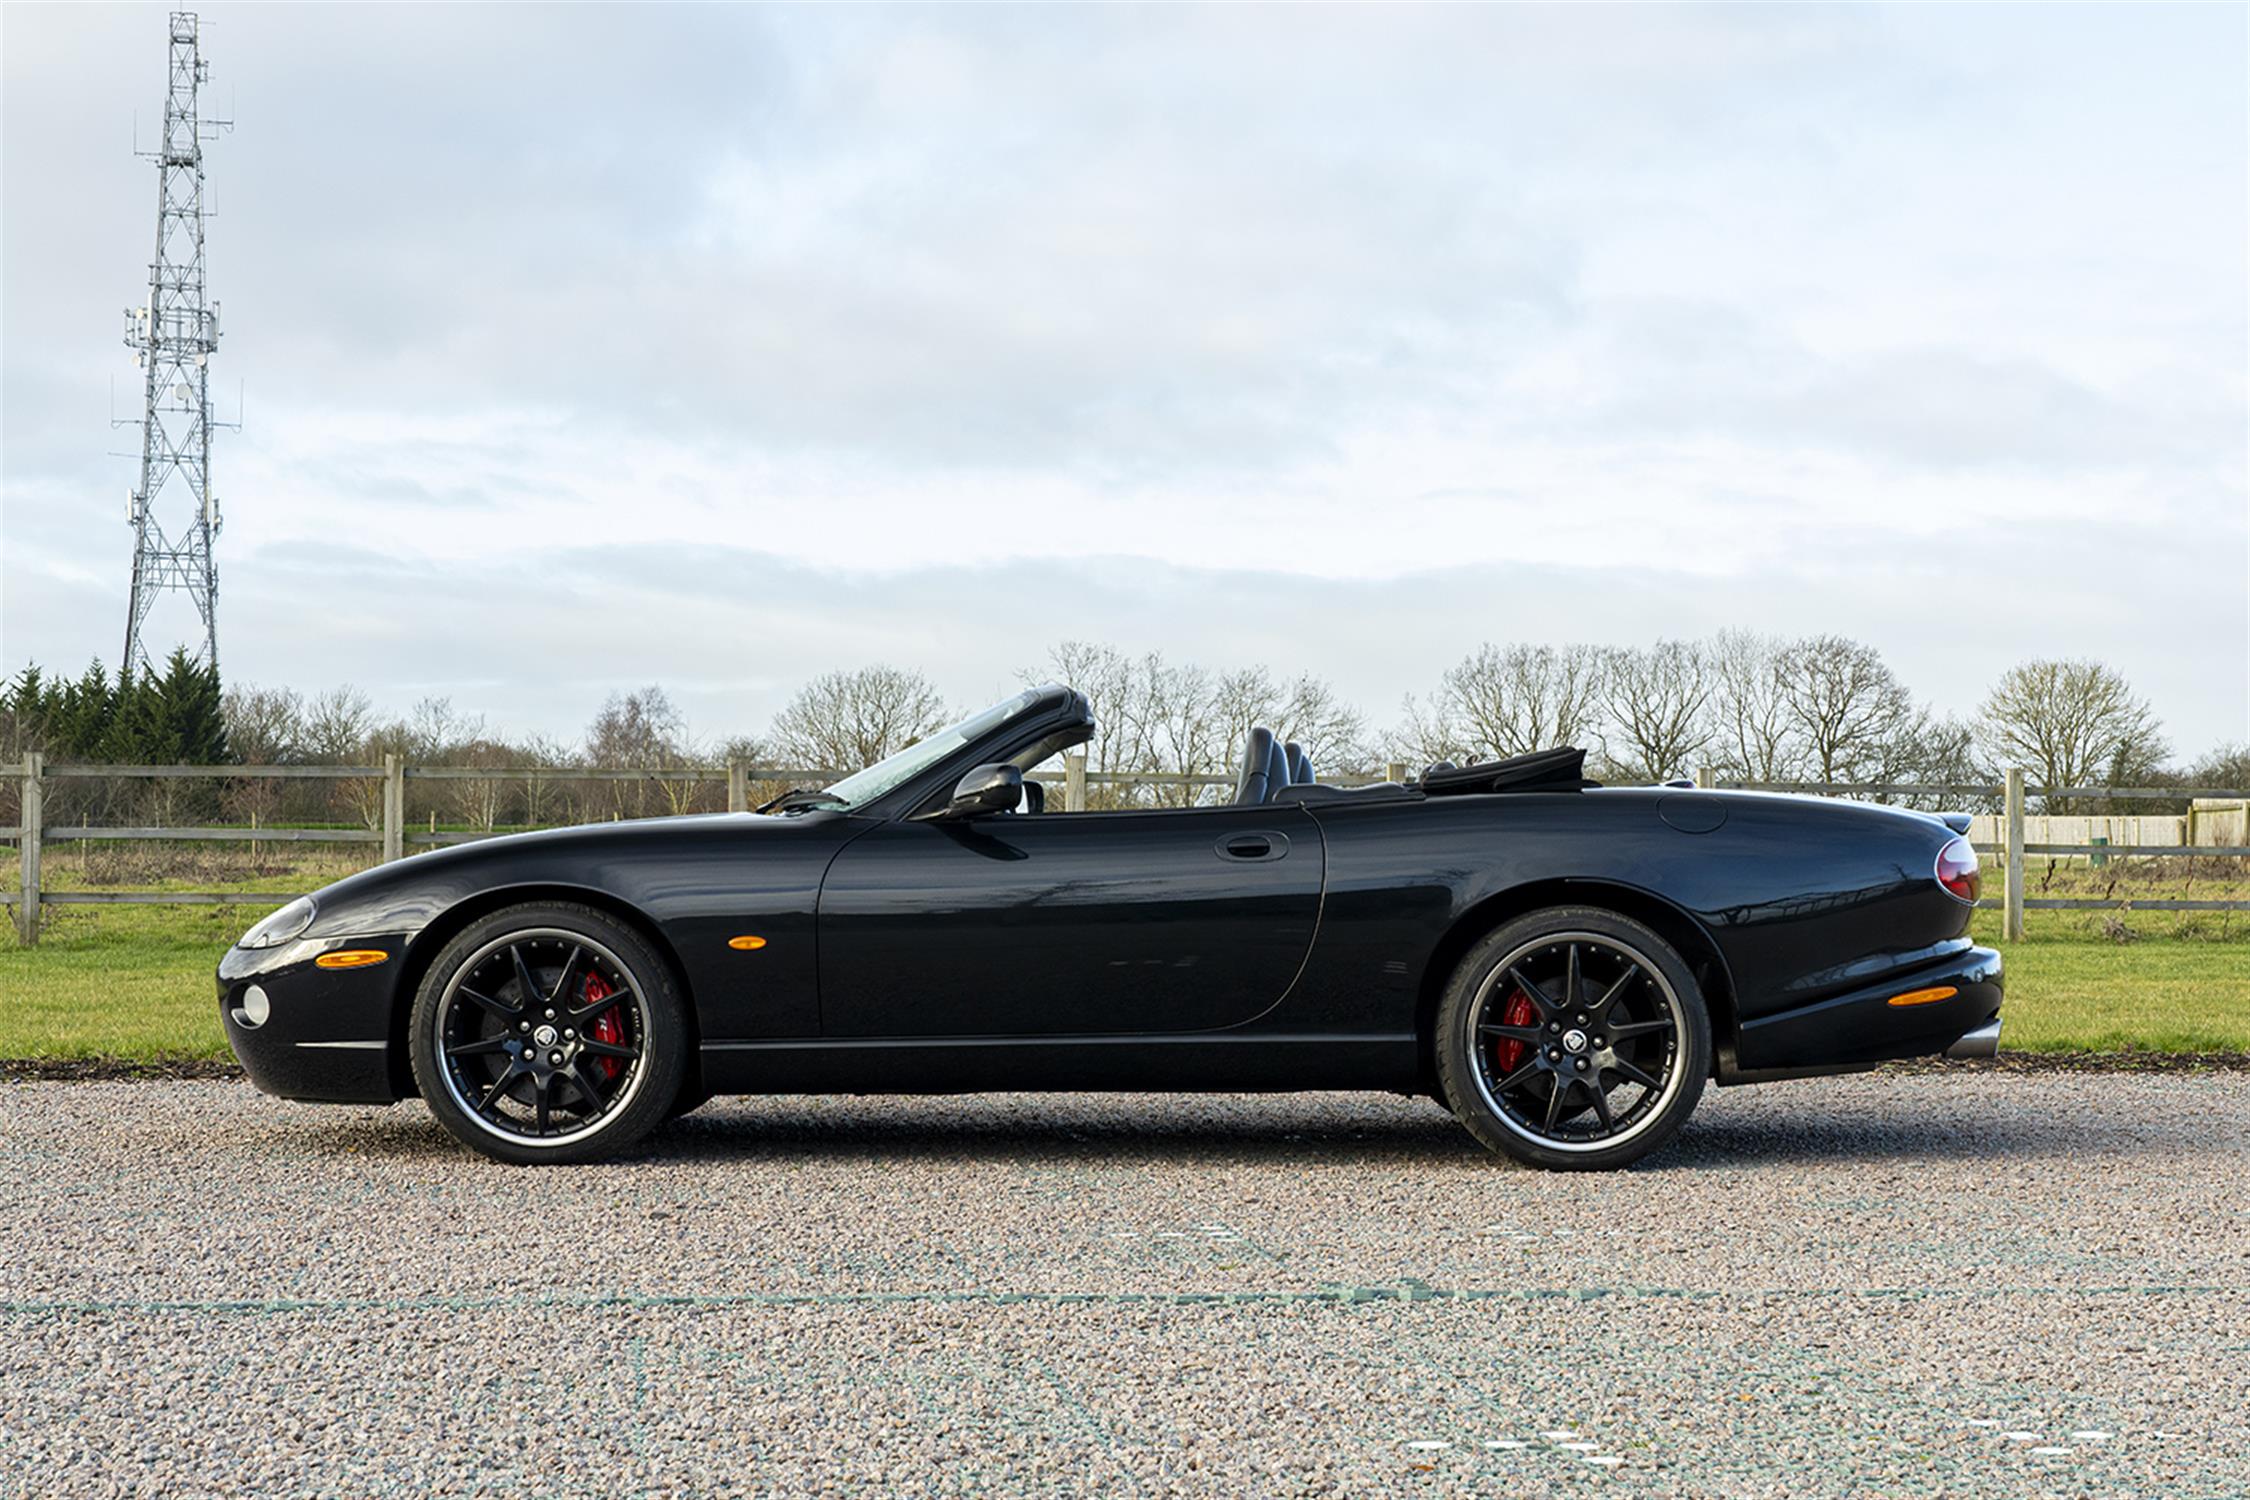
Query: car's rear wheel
x=549, y=1033
x=1574, y=1039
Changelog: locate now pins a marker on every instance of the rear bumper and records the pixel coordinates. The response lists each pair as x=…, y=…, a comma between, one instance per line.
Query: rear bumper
x=1861, y=1028
x=1982, y=1042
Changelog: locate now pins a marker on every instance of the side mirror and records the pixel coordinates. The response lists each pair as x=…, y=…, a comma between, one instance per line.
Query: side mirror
x=986, y=789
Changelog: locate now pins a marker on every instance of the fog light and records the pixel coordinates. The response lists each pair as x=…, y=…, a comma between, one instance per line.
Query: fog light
x=251, y=1013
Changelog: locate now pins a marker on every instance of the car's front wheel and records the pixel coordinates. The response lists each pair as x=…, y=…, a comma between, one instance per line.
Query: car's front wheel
x=1574, y=1039
x=549, y=1033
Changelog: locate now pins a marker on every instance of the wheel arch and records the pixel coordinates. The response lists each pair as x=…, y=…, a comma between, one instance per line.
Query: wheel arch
x=442, y=929
x=1669, y=921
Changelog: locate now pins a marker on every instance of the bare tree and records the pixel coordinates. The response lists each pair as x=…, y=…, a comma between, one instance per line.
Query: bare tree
x=1658, y=701
x=636, y=731
x=544, y=761
x=1333, y=732
x=2070, y=723
x=1127, y=696
x=477, y=801
x=337, y=724
x=2227, y=766
x=1518, y=699
x=1158, y=718
x=846, y=720
x=1939, y=751
x=434, y=729
x=1425, y=735
x=1750, y=714
x=1845, y=705
x=633, y=730
x=265, y=727
x=1186, y=722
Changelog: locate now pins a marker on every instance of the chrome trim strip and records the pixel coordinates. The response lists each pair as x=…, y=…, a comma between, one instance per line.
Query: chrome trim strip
x=375, y=1046
x=1064, y=1039
x=1982, y=1042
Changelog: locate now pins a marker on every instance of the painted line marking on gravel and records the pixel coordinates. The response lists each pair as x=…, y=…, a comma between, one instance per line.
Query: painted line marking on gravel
x=1560, y=1443
x=2043, y=1446
x=1408, y=1290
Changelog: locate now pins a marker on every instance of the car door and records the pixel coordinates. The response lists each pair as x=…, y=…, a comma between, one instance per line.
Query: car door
x=1068, y=923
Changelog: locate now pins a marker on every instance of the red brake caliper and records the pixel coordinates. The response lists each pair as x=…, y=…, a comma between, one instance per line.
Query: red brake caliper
x=605, y=1027
x=1508, y=1053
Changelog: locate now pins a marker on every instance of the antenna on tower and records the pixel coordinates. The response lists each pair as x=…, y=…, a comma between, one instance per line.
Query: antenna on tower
x=173, y=511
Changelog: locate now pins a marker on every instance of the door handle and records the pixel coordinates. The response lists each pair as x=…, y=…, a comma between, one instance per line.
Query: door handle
x=1248, y=847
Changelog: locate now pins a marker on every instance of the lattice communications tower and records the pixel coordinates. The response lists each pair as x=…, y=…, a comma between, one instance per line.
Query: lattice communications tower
x=173, y=512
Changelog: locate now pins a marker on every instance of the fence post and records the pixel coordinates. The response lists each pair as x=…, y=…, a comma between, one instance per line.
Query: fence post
x=1395, y=771
x=738, y=786
x=1074, y=782
x=1706, y=778
x=2012, y=927
x=27, y=914
x=394, y=808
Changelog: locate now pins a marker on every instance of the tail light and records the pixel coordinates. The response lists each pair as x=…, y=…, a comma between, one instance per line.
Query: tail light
x=1957, y=870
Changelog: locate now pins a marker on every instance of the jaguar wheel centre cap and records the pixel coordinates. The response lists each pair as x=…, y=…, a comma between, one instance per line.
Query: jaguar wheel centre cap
x=545, y=1036
x=1574, y=1040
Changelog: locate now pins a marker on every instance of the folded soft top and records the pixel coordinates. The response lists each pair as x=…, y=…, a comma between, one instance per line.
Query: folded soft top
x=1562, y=769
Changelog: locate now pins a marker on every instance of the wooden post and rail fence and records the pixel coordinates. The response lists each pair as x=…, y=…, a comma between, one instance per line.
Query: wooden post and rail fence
x=33, y=834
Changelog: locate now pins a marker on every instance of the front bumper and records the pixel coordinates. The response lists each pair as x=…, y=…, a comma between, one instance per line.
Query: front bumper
x=328, y=1034
x=1861, y=1028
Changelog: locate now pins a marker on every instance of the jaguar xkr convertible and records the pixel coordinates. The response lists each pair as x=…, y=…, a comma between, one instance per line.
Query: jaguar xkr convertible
x=1563, y=965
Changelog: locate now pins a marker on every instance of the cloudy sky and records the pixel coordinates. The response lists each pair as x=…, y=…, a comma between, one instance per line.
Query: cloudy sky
x=587, y=347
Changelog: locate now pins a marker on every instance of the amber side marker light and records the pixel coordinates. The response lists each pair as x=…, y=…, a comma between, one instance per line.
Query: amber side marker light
x=350, y=958
x=1924, y=997
x=749, y=942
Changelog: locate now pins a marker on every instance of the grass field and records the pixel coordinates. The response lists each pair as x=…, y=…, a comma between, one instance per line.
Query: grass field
x=135, y=982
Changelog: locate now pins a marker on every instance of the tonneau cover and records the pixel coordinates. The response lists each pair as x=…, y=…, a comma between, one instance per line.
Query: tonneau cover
x=1562, y=769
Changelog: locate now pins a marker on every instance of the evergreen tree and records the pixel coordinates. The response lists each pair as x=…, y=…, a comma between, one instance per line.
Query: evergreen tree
x=22, y=712
x=198, y=712
x=84, y=713
x=171, y=719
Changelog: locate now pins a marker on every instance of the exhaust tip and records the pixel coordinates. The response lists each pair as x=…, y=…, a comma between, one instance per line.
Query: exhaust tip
x=1982, y=1042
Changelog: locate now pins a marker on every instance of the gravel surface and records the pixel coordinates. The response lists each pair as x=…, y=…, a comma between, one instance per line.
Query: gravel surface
x=1950, y=1283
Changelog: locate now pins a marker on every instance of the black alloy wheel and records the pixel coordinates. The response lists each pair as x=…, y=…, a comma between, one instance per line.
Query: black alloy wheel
x=1573, y=1039
x=549, y=1033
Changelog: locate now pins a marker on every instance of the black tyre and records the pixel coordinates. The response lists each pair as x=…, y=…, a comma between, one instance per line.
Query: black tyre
x=1573, y=1039
x=549, y=1032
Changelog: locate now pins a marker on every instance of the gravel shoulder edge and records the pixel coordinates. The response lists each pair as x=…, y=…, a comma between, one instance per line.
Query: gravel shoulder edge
x=112, y=1069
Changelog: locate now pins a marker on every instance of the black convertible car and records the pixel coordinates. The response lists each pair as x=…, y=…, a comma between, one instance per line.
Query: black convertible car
x=1564, y=966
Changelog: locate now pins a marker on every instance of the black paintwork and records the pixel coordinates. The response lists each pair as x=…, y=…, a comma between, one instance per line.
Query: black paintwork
x=1297, y=944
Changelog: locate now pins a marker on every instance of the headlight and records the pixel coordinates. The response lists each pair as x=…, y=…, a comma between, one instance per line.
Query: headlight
x=280, y=927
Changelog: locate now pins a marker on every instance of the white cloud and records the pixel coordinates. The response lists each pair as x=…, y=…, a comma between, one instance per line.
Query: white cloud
x=1746, y=311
